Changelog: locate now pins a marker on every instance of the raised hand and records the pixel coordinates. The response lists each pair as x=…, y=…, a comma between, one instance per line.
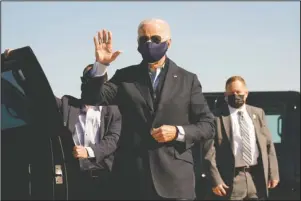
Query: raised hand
x=103, y=47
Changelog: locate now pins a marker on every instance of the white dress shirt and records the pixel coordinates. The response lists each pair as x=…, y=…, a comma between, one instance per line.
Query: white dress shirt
x=87, y=128
x=237, y=139
x=100, y=70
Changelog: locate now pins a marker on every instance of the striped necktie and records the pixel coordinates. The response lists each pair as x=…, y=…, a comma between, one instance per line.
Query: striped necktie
x=244, y=131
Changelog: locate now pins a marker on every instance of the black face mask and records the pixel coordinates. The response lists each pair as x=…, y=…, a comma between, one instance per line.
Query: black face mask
x=152, y=52
x=236, y=101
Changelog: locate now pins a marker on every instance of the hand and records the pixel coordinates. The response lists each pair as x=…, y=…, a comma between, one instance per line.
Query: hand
x=6, y=52
x=103, y=47
x=220, y=190
x=164, y=133
x=80, y=152
x=273, y=183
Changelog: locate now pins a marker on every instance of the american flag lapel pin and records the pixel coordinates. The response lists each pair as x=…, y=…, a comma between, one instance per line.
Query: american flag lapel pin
x=175, y=76
x=254, y=116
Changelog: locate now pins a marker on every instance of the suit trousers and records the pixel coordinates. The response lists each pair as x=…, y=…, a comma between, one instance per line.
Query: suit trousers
x=246, y=185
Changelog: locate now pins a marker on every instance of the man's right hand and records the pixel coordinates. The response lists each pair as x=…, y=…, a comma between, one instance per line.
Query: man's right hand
x=104, y=48
x=220, y=190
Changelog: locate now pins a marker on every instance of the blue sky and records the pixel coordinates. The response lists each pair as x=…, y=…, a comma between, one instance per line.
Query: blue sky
x=257, y=40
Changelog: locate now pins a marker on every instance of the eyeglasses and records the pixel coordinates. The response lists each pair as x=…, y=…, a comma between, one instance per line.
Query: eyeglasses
x=155, y=39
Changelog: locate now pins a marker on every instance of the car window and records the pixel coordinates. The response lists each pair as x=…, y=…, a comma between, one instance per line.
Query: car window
x=272, y=123
x=14, y=103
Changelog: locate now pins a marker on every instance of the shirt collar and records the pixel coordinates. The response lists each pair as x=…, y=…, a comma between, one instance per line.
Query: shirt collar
x=84, y=108
x=159, y=68
x=235, y=110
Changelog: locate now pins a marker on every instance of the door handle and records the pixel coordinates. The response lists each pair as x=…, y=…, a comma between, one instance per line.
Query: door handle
x=279, y=126
x=58, y=174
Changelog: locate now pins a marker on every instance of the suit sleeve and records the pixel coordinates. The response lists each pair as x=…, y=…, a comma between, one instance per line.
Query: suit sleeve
x=272, y=157
x=109, y=143
x=201, y=118
x=99, y=92
x=210, y=163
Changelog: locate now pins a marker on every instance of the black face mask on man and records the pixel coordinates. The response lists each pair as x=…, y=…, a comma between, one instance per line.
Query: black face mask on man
x=152, y=52
x=235, y=100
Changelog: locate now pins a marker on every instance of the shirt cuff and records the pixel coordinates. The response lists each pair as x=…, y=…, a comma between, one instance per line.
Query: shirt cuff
x=98, y=70
x=90, y=152
x=181, y=134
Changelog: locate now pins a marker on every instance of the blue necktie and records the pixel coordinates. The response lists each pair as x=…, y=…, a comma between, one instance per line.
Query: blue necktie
x=154, y=79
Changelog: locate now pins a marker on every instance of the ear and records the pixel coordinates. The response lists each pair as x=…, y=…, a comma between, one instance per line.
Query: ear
x=246, y=95
x=169, y=43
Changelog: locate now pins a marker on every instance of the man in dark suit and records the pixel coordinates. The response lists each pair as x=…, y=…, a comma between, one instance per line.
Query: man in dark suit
x=242, y=162
x=164, y=113
x=95, y=131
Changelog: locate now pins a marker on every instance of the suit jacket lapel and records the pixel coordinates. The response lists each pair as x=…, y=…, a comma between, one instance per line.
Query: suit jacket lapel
x=226, y=118
x=170, y=84
x=254, y=118
x=143, y=83
x=103, y=117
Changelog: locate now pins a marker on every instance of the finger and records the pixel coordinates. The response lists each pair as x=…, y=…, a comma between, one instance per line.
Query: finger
x=225, y=186
x=157, y=135
x=100, y=37
x=269, y=185
x=116, y=54
x=274, y=184
x=222, y=190
x=159, y=138
x=77, y=148
x=156, y=130
x=96, y=43
x=110, y=38
x=218, y=192
x=104, y=36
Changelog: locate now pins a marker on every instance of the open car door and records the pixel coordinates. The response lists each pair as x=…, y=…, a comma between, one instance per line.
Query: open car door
x=282, y=110
x=32, y=155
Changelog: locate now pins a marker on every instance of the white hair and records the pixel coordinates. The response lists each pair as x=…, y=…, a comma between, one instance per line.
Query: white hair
x=156, y=21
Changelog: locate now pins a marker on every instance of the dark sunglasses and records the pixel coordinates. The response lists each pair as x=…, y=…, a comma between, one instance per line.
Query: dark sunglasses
x=155, y=39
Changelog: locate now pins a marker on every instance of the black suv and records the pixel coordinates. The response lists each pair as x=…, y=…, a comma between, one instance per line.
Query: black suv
x=36, y=154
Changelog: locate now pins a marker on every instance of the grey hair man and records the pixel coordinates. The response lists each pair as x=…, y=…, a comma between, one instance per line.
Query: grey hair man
x=164, y=113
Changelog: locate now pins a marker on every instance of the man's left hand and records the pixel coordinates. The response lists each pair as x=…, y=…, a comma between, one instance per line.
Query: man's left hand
x=273, y=183
x=80, y=152
x=164, y=133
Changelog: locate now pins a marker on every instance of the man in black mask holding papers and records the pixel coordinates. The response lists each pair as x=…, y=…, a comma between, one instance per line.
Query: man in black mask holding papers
x=164, y=113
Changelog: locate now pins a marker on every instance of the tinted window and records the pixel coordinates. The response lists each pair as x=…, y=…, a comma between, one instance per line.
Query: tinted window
x=272, y=122
x=14, y=103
